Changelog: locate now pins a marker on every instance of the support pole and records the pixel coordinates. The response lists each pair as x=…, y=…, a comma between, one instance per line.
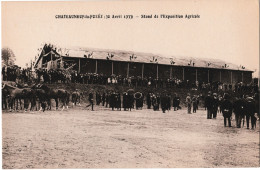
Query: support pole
x=183, y=74
x=79, y=66
x=208, y=76
x=127, y=71
x=231, y=77
x=220, y=75
x=112, y=67
x=96, y=67
x=142, y=71
x=157, y=72
x=170, y=72
x=196, y=75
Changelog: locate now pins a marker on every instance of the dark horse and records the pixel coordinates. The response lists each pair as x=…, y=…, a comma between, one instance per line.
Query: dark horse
x=15, y=94
x=56, y=94
x=75, y=97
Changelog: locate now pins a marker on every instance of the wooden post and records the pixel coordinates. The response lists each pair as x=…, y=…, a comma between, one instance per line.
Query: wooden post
x=170, y=72
x=142, y=71
x=127, y=71
x=112, y=67
x=208, y=76
x=196, y=75
x=231, y=77
x=157, y=72
x=183, y=74
x=220, y=75
x=79, y=66
x=96, y=67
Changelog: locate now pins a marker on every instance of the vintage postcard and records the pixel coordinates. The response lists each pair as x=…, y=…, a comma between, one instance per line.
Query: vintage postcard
x=130, y=84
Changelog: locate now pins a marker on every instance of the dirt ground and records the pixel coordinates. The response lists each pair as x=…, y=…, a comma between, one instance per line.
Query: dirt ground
x=80, y=138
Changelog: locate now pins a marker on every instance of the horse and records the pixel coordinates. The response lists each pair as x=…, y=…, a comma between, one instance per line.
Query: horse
x=56, y=94
x=75, y=97
x=15, y=94
x=5, y=95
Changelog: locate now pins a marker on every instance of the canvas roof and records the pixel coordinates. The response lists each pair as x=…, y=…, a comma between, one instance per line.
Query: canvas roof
x=119, y=55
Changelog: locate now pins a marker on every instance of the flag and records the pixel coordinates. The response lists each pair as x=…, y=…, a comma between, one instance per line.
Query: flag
x=172, y=62
x=154, y=60
x=109, y=56
x=132, y=57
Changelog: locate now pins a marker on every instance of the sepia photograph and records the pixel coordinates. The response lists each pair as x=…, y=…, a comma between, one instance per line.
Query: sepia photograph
x=130, y=84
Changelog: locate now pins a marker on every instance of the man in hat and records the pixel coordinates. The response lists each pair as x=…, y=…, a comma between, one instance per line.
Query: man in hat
x=188, y=102
x=176, y=102
x=148, y=100
x=194, y=103
x=215, y=105
x=250, y=112
x=239, y=107
x=227, y=107
x=91, y=101
x=208, y=105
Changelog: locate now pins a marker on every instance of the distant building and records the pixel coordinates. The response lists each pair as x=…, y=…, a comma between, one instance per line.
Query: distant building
x=127, y=63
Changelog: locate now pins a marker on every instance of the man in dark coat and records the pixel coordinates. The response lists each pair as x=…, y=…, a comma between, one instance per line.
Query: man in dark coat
x=250, y=112
x=164, y=102
x=125, y=105
x=215, y=105
x=107, y=99
x=130, y=101
x=188, y=102
x=155, y=102
x=194, y=103
x=239, y=107
x=91, y=100
x=118, y=101
x=103, y=98
x=208, y=105
x=112, y=100
x=98, y=98
x=176, y=102
x=148, y=101
x=227, y=110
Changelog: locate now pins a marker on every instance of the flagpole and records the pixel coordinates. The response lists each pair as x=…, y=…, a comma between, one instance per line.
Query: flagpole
x=183, y=74
x=208, y=76
x=142, y=71
x=127, y=72
x=112, y=67
x=96, y=67
x=170, y=72
x=157, y=71
x=79, y=66
x=231, y=78
x=220, y=75
x=196, y=75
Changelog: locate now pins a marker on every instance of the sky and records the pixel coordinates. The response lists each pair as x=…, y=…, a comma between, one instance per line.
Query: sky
x=226, y=29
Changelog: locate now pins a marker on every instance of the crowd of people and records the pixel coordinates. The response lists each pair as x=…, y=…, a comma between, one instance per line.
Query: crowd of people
x=21, y=76
x=243, y=106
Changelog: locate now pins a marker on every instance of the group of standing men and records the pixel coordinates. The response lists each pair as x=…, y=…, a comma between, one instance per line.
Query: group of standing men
x=136, y=100
x=244, y=107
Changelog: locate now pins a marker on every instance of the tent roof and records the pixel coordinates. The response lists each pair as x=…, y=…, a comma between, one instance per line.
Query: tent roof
x=119, y=55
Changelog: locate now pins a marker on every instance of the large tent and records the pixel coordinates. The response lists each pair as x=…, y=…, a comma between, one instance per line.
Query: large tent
x=129, y=63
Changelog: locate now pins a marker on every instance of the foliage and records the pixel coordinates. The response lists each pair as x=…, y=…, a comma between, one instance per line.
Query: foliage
x=8, y=57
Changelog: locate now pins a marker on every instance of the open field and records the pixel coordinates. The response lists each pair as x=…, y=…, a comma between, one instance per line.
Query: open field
x=80, y=138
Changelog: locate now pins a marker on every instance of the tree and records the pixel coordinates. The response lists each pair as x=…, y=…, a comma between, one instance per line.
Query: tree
x=8, y=57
